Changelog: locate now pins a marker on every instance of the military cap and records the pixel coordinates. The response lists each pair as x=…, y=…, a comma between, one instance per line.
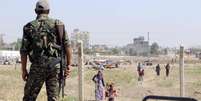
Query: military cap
x=42, y=5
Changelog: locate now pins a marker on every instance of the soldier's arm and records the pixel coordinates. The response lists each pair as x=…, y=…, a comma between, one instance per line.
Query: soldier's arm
x=67, y=47
x=24, y=63
x=68, y=55
x=24, y=52
x=68, y=52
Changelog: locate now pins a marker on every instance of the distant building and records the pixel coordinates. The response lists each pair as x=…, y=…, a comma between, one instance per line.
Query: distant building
x=80, y=35
x=9, y=54
x=139, y=47
x=75, y=37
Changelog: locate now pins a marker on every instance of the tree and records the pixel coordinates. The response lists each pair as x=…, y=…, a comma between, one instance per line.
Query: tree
x=18, y=44
x=115, y=51
x=166, y=51
x=154, y=49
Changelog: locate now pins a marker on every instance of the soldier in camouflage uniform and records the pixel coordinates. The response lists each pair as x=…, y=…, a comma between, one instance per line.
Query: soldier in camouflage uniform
x=39, y=38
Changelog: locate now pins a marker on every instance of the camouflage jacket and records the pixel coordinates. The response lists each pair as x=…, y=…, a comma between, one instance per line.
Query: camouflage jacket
x=39, y=38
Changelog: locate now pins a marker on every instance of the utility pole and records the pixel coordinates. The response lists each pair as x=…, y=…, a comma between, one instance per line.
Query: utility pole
x=148, y=36
x=1, y=41
x=181, y=70
x=80, y=71
x=148, y=46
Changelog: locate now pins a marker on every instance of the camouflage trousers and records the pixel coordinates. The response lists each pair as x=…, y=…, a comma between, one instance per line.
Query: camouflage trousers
x=38, y=75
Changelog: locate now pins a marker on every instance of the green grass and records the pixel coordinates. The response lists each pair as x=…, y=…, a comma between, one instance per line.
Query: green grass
x=197, y=84
x=119, y=77
x=194, y=71
x=165, y=83
x=69, y=98
x=74, y=72
x=12, y=84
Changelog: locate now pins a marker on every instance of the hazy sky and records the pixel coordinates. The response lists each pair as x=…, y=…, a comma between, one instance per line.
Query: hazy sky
x=113, y=22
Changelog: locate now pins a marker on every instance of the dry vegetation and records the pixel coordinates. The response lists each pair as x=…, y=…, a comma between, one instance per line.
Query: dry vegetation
x=125, y=79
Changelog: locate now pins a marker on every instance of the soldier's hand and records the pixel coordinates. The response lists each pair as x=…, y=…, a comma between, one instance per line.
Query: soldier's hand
x=67, y=71
x=24, y=75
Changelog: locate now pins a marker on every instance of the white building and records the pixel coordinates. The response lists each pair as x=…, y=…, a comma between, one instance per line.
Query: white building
x=9, y=54
x=80, y=35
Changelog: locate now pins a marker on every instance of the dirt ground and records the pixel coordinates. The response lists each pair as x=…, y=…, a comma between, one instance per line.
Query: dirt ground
x=124, y=77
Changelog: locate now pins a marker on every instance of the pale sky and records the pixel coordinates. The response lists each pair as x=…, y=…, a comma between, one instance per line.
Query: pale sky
x=113, y=22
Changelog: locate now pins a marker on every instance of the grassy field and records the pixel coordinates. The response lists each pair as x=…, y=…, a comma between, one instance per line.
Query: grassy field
x=125, y=79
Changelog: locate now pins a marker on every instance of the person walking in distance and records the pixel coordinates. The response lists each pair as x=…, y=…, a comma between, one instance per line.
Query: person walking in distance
x=167, y=69
x=140, y=70
x=158, y=69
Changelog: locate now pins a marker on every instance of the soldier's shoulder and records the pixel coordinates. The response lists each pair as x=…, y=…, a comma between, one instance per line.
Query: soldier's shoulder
x=59, y=22
x=55, y=21
x=30, y=24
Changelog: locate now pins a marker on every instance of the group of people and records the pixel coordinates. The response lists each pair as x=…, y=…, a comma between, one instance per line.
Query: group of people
x=140, y=70
x=101, y=90
x=167, y=69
